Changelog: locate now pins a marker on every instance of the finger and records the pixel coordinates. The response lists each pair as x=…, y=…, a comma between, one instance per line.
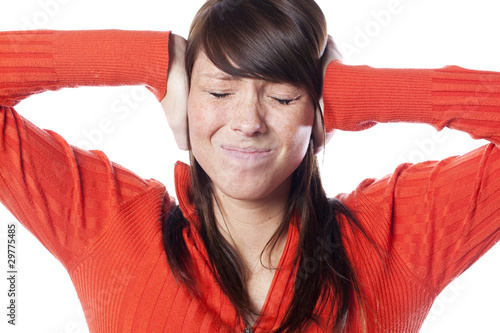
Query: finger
x=317, y=132
x=175, y=109
x=180, y=131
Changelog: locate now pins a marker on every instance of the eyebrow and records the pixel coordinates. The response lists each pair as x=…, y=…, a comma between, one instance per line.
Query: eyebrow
x=220, y=76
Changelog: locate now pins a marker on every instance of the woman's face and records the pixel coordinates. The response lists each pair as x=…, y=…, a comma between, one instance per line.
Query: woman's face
x=248, y=135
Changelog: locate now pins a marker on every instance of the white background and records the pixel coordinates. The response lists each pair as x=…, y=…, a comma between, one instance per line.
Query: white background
x=418, y=33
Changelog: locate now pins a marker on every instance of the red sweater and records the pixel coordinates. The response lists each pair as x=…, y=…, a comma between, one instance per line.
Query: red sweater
x=102, y=221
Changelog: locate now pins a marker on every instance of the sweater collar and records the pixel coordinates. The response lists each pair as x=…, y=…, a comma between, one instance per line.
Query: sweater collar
x=184, y=189
x=184, y=192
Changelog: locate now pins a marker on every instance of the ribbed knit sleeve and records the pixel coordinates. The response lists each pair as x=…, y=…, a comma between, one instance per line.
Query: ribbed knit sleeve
x=434, y=218
x=357, y=97
x=35, y=61
x=68, y=197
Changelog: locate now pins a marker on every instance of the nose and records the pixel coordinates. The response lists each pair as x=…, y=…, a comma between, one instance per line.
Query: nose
x=248, y=117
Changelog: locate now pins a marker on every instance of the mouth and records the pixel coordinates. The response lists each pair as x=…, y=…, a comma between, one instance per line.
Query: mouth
x=247, y=154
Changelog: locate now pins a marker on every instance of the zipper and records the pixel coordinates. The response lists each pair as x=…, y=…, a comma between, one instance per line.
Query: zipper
x=247, y=329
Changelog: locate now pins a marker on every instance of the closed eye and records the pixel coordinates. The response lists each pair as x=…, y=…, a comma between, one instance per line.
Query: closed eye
x=219, y=96
x=283, y=101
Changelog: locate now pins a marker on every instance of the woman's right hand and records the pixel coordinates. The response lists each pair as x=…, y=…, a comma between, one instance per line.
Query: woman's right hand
x=330, y=53
x=175, y=101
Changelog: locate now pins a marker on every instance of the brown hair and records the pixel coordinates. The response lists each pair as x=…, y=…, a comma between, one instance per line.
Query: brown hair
x=278, y=41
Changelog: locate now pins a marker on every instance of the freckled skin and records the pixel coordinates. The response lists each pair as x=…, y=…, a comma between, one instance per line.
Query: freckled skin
x=247, y=113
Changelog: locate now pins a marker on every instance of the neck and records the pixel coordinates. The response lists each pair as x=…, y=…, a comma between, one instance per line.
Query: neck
x=248, y=225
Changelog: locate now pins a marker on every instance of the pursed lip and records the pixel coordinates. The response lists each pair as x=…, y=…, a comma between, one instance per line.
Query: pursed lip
x=246, y=153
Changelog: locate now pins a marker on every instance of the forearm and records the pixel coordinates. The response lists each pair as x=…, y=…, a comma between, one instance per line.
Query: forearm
x=357, y=97
x=35, y=61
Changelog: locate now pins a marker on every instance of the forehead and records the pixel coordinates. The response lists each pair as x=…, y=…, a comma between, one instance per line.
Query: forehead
x=204, y=68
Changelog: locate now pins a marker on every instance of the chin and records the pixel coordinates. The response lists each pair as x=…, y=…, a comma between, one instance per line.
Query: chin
x=238, y=192
x=254, y=189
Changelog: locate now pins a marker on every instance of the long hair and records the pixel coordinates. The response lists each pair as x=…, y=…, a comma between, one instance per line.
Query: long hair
x=278, y=41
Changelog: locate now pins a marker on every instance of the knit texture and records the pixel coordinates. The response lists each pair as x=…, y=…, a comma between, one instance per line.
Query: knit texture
x=430, y=221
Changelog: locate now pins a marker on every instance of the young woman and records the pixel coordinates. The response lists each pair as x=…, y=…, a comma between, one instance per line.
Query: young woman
x=254, y=244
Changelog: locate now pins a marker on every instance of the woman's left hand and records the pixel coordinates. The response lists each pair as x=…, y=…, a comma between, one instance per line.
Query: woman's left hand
x=330, y=54
x=175, y=102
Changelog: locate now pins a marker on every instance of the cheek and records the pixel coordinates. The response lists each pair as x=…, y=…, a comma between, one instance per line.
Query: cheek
x=296, y=130
x=199, y=117
x=298, y=144
x=204, y=120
